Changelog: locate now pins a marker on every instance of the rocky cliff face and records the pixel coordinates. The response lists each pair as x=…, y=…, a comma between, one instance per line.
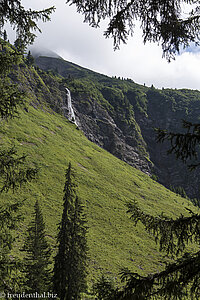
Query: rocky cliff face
x=120, y=116
x=166, y=109
x=100, y=128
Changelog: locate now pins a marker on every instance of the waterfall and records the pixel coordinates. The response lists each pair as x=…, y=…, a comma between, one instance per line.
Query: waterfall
x=70, y=112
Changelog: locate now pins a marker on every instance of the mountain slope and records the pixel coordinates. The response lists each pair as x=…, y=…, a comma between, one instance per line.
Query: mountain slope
x=105, y=185
x=103, y=112
x=120, y=116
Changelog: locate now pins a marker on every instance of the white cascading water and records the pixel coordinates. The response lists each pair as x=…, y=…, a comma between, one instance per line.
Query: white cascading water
x=70, y=112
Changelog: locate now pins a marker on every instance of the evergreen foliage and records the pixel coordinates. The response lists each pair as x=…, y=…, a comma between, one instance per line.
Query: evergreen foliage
x=5, y=37
x=180, y=280
x=22, y=20
x=10, y=99
x=104, y=289
x=178, y=190
x=9, y=218
x=29, y=59
x=71, y=259
x=164, y=22
x=37, y=259
x=13, y=170
x=183, y=145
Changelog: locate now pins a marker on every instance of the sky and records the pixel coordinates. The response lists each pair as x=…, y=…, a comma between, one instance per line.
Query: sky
x=75, y=41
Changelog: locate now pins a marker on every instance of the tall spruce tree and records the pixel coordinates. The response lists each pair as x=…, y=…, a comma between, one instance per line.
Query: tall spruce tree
x=70, y=266
x=29, y=59
x=37, y=259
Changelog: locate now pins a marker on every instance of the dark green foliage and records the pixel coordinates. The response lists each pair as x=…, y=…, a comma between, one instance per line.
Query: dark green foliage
x=9, y=217
x=9, y=56
x=10, y=94
x=29, y=59
x=37, y=259
x=178, y=190
x=5, y=37
x=70, y=262
x=179, y=280
x=161, y=21
x=61, y=266
x=22, y=20
x=172, y=235
x=183, y=145
x=138, y=99
x=104, y=289
x=10, y=99
x=123, y=108
x=13, y=170
x=154, y=177
x=78, y=253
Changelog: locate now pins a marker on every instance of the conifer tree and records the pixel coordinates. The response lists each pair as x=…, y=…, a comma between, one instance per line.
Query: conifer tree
x=9, y=218
x=104, y=289
x=181, y=279
x=37, y=258
x=29, y=59
x=78, y=252
x=69, y=277
x=185, y=144
x=5, y=37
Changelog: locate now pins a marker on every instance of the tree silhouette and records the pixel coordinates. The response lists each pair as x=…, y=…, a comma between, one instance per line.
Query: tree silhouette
x=71, y=259
x=37, y=259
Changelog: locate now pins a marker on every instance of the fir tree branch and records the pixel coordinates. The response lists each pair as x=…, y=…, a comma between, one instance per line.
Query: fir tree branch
x=22, y=20
x=178, y=281
x=160, y=21
x=183, y=145
x=13, y=172
x=172, y=235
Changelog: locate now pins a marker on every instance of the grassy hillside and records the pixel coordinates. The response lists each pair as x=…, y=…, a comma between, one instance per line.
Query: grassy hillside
x=105, y=185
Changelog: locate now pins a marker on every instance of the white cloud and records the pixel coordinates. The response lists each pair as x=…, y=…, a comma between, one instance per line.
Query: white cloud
x=77, y=42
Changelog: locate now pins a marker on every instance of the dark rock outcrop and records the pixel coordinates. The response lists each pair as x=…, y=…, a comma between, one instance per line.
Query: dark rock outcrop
x=100, y=128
